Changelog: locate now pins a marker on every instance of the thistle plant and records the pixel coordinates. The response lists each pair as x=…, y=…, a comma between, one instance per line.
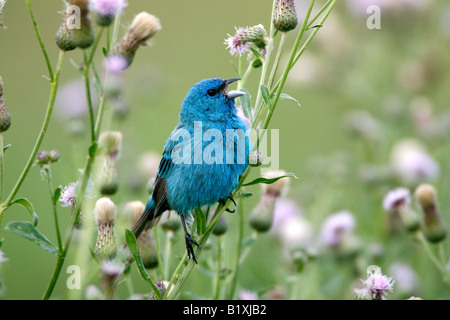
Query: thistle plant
x=300, y=230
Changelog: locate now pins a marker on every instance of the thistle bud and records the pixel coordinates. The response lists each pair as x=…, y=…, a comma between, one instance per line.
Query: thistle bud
x=435, y=229
x=143, y=27
x=397, y=201
x=54, y=155
x=285, y=17
x=256, y=158
x=147, y=249
x=108, y=176
x=221, y=226
x=76, y=30
x=172, y=222
x=111, y=143
x=261, y=217
x=133, y=211
x=277, y=188
x=42, y=158
x=5, y=118
x=105, y=215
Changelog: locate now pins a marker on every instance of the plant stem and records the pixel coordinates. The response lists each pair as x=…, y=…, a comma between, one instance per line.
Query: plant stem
x=87, y=86
x=41, y=43
x=37, y=145
x=277, y=59
x=169, y=237
x=55, y=212
x=219, y=267
x=2, y=158
x=430, y=253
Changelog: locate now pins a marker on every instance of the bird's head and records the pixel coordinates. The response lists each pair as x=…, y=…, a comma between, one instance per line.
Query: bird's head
x=209, y=100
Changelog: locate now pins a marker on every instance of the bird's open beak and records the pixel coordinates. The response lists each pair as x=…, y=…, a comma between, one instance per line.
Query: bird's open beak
x=233, y=93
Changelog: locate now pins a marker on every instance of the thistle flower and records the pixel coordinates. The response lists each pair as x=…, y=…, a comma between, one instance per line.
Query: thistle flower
x=106, y=10
x=143, y=27
x=105, y=215
x=5, y=118
x=71, y=101
x=111, y=143
x=68, y=196
x=240, y=42
x=335, y=227
x=115, y=65
x=405, y=277
x=376, y=285
x=248, y=295
x=107, y=177
x=412, y=163
x=75, y=32
x=397, y=201
x=285, y=16
x=435, y=229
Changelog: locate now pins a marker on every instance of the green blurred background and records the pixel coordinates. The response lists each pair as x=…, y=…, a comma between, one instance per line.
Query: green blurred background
x=347, y=67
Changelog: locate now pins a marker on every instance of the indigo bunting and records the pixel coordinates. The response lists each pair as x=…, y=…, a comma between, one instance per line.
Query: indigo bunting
x=203, y=158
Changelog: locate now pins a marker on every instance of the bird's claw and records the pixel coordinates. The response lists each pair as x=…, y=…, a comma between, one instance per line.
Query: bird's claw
x=222, y=202
x=190, y=250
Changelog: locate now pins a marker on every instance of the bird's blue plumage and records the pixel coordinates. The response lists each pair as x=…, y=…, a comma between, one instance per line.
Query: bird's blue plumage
x=204, y=156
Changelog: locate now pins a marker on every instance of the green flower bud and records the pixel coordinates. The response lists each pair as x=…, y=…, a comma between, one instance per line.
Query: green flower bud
x=172, y=222
x=76, y=29
x=435, y=229
x=5, y=118
x=261, y=216
x=409, y=218
x=54, y=156
x=42, y=158
x=221, y=226
x=108, y=176
x=285, y=17
x=147, y=249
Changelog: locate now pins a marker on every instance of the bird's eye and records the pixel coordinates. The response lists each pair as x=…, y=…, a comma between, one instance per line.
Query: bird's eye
x=211, y=92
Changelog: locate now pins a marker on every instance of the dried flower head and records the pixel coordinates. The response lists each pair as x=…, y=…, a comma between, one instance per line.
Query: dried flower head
x=244, y=37
x=143, y=27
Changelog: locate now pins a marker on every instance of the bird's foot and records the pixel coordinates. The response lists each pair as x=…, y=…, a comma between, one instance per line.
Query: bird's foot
x=222, y=202
x=189, y=242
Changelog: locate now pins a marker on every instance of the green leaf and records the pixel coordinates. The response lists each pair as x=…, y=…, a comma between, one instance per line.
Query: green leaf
x=246, y=103
x=6, y=147
x=56, y=195
x=257, y=54
x=285, y=96
x=134, y=249
x=93, y=149
x=29, y=232
x=76, y=65
x=266, y=95
x=28, y=206
x=269, y=181
x=105, y=51
x=316, y=26
x=245, y=194
x=201, y=221
x=46, y=78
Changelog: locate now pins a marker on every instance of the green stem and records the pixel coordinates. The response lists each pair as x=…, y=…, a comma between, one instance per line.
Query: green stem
x=55, y=212
x=219, y=267
x=41, y=43
x=288, y=66
x=277, y=59
x=87, y=86
x=2, y=158
x=37, y=145
x=169, y=237
x=430, y=253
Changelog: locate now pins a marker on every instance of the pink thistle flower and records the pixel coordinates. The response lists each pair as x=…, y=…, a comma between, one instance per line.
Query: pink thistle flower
x=236, y=44
x=68, y=197
x=248, y=295
x=376, y=285
x=395, y=199
x=108, y=7
x=115, y=65
x=336, y=226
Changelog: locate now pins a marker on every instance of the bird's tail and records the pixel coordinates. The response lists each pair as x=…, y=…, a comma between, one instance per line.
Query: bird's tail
x=147, y=219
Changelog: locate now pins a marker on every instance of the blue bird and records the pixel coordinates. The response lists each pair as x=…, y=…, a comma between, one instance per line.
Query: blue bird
x=203, y=158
